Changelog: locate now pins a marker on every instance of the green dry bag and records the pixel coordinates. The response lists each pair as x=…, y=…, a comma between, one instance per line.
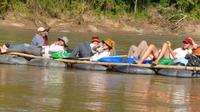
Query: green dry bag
x=166, y=61
x=60, y=55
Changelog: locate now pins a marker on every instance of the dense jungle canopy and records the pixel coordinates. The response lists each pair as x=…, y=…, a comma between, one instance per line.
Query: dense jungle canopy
x=118, y=8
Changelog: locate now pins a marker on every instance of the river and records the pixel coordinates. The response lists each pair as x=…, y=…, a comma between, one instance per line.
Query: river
x=41, y=89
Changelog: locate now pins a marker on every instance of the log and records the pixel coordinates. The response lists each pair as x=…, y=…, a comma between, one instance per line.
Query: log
x=26, y=55
x=70, y=61
x=134, y=65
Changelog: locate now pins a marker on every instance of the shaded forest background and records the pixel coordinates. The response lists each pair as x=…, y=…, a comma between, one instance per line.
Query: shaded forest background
x=55, y=8
x=165, y=13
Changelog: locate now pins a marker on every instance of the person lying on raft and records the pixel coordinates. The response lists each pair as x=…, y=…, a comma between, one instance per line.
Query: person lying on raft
x=86, y=49
x=59, y=45
x=138, y=51
x=41, y=37
x=104, y=50
x=167, y=52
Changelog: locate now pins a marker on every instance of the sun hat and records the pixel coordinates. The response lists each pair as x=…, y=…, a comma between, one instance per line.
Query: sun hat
x=109, y=42
x=64, y=39
x=188, y=40
x=41, y=29
x=95, y=38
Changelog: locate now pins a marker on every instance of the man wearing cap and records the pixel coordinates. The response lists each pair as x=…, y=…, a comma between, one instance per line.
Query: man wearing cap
x=38, y=39
x=86, y=49
x=59, y=45
x=188, y=45
x=178, y=54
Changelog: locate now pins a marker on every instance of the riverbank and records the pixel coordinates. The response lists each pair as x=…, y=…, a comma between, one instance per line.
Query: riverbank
x=101, y=25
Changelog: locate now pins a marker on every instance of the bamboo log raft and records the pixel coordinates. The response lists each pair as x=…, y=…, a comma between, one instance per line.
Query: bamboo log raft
x=131, y=65
x=26, y=55
x=70, y=61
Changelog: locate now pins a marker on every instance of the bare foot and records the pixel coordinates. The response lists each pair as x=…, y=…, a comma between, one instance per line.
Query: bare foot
x=138, y=62
x=3, y=50
x=154, y=63
x=4, y=47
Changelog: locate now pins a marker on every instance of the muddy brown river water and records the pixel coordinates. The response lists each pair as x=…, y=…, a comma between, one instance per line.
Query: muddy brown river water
x=41, y=89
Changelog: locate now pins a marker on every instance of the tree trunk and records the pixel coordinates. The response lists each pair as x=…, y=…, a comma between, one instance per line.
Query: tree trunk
x=135, y=7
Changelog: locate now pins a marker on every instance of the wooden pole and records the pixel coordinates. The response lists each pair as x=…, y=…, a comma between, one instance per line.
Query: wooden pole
x=70, y=61
x=26, y=55
x=133, y=65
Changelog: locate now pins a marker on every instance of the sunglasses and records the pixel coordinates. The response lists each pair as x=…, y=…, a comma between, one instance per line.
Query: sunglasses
x=185, y=43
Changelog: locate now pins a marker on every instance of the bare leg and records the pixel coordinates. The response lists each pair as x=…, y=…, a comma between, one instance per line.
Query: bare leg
x=162, y=53
x=142, y=47
x=131, y=52
x=139, y=51
x=150, y=50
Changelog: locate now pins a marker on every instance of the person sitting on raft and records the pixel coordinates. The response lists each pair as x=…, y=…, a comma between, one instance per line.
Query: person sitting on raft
x=167, y=53
x=104, y=50
x=40, y=38
x=86, y=49
x=59, y=45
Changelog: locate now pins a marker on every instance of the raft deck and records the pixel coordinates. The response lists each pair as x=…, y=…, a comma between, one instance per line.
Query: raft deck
x=72, y=61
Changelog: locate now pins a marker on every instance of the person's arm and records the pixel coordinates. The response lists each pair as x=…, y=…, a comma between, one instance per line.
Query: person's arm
x=34, y=41
x=38, y=41
x=194, y=45
x=173, y=54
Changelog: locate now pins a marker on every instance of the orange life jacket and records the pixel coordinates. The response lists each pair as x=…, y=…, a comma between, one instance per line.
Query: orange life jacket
x=197, y=51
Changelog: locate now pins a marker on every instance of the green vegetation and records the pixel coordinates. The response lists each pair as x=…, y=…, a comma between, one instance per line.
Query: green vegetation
x=118, y=8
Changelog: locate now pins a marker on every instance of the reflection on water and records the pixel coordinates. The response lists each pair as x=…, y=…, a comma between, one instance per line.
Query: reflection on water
x=52, y=76
x=35, y=88
x=43, y=89
x=40, y=89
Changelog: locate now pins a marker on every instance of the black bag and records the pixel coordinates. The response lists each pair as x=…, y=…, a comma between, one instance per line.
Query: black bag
x=193, y=60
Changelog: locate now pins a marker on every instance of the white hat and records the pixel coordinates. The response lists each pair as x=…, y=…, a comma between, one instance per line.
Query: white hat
x=65, y=39
x=41, y=29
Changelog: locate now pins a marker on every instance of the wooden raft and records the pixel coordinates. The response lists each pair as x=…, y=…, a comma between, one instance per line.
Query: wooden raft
x=71, y=61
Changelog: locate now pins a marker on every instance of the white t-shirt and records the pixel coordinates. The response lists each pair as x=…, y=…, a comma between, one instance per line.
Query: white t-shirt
x=48, y=50
x=97, y=56
x=56, y=48
x=99, y=49
x=181, y=53
x=92, y=46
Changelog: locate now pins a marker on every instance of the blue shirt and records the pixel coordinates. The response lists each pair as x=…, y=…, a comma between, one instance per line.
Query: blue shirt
x=38, y=40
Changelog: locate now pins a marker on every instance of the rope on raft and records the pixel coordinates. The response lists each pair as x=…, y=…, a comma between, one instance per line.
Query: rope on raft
x=71, y=61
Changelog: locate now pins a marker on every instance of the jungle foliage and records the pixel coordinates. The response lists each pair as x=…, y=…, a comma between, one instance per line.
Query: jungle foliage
x=137, y=8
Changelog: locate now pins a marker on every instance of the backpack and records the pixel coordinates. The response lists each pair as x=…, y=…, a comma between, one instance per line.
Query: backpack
x=193, y=60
